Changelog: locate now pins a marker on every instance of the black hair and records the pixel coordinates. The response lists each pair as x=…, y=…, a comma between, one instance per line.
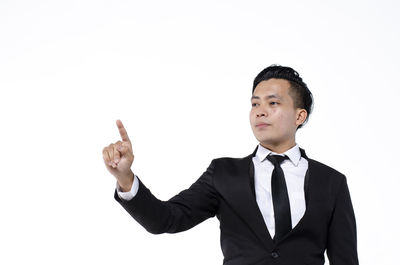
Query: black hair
x=301, y=95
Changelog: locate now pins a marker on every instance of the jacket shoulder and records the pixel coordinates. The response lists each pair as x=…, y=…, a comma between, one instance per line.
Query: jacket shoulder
x=230, y=160
x=231, y=164
x=326, y=176
x=324, y=168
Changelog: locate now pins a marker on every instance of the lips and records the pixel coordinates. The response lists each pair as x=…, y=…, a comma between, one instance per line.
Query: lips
x=262, y=124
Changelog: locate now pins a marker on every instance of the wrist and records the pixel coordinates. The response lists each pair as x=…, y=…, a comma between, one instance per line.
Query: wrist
x=126, y=184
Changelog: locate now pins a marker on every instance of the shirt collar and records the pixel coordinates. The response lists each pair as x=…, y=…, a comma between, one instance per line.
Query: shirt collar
x=293, y=153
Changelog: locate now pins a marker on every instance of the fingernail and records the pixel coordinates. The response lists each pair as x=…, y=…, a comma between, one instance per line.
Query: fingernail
x=116, y=161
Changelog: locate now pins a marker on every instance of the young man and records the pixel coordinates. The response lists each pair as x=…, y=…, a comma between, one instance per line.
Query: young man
x=275, y=206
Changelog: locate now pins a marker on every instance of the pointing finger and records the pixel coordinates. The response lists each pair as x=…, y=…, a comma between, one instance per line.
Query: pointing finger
x=122, y=131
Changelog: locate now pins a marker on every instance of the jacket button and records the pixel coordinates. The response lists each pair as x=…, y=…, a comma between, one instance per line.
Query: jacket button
x=274, y=255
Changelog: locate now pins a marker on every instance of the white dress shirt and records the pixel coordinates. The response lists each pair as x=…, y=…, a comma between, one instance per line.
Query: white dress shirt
x=294, y=171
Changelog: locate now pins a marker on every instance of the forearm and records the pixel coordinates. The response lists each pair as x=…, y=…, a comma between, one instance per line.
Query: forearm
x=146, y=209
x=181, y=212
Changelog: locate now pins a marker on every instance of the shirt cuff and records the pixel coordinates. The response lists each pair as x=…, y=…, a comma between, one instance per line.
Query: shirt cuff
x=127, y=196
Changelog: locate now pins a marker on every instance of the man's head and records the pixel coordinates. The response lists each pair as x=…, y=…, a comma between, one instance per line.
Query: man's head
x=281, y=100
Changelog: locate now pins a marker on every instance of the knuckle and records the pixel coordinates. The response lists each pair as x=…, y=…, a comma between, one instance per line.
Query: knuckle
x=105, y=154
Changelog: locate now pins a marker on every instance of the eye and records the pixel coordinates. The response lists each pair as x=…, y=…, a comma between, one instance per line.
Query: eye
x=274, y=103
x=253, y=104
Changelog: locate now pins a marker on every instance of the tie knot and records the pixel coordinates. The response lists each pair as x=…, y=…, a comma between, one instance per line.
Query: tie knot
x=277, y=159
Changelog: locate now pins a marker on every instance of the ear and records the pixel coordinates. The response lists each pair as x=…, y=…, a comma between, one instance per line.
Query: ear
x=301, y=115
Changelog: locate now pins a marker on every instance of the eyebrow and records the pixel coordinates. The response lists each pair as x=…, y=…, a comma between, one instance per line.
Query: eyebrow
x=267, y=97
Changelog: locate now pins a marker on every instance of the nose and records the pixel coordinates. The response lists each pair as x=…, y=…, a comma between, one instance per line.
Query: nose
x=261, y=112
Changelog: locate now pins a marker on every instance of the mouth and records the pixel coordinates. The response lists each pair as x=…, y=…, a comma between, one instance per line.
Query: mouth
x=262, y=125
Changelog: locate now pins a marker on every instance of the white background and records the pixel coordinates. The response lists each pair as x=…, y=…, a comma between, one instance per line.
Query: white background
x=179, y=75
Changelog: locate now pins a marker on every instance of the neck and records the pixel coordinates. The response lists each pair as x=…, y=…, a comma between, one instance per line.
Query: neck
x=279, y=148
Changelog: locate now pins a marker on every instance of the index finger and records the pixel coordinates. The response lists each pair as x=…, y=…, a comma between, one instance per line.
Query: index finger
x=122, y=131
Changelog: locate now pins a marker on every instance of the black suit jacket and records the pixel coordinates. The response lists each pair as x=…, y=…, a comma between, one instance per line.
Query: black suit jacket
x=226, y=190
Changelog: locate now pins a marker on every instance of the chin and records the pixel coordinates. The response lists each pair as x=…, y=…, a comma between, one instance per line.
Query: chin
x=265, y=140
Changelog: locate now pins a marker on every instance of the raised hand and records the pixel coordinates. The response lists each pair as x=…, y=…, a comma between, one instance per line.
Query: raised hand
x=118, y=158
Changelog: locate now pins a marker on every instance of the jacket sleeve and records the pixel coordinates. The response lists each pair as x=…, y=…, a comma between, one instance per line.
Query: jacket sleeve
x=342, y=234
x=183, y=211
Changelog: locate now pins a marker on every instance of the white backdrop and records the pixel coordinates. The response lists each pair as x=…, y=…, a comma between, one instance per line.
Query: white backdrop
x=179, y=75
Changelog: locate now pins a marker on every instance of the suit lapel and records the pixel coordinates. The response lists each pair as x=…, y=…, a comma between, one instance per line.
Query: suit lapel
x=240, y=195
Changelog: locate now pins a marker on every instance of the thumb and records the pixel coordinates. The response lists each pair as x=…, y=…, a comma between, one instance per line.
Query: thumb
x=123, y=149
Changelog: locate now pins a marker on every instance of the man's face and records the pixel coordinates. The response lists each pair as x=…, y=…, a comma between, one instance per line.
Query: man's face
x=272, y=105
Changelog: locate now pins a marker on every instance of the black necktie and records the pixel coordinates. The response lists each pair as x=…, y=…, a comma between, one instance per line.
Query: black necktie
x=280, y=198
